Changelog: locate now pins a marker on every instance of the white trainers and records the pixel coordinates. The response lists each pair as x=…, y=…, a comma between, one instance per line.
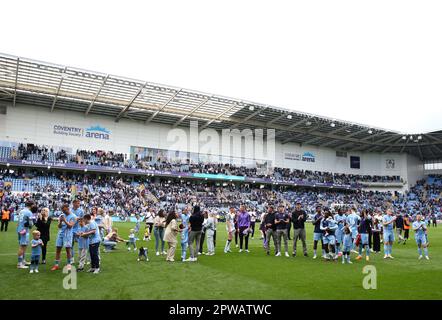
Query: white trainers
x=314, y=256
x=390, y=256
x=420, y=257
x=36, y=270
x=96, y=271
x=164, y=252
x=31, y=271
x=287, y=254
x=128, y=249
x=22, y=266
x=240, y=250
x=158, y=253
x=427, y=257
x=247, y=250
x=278, y=254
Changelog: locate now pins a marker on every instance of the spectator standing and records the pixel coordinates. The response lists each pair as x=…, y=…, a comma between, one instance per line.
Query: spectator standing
x=43, y=225
x=298, y=219
x=158, y=231
x=281, y=221
x=195, y=227
x=6, y=216
x=243, y=228
x=170, y=235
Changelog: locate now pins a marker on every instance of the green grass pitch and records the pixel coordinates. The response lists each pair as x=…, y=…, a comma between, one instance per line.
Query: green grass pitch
x=227, y=276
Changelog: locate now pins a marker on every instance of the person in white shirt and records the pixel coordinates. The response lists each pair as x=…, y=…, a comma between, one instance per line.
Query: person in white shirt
x=252, y=222
x=230, y=228
x=149, y=219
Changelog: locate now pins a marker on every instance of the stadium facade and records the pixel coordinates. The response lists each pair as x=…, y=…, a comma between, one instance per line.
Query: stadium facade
x=69, y=108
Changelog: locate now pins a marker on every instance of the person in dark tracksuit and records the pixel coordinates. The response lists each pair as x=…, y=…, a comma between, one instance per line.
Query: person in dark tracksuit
x=270, y=227
x=298, y=219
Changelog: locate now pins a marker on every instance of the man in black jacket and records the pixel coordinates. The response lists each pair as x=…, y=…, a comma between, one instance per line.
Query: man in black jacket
x=270, y=226
x=298, y=219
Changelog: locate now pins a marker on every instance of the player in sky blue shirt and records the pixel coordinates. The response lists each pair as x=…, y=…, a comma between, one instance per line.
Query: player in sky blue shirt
x=420, y=230
x=184, y=233
x=317, y=232
x=24, y=223
x=329, y=226
x=65, y=236
x=79, y=213
x=364, y=229
x=93, y=234
x=339, y=234
x=388, y=226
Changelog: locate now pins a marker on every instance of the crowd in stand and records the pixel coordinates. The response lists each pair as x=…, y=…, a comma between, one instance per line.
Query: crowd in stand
x=119, y=160
x=134, y=195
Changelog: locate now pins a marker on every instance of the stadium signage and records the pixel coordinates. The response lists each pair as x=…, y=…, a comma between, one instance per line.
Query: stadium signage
x=308, y=157
x=218, y=176
x=292, y=156
x=93, y=132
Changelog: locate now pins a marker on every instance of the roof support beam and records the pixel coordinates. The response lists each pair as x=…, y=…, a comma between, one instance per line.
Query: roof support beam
x=364, y=148
x=303, y=134
x=63, y=76
x=162, y=107
x=396, y=143
x=192, y=111
x=319, y=138
x=298, y=123
x=219, y=115
x=96, y=96
x=241, y=121
x=277, y=118
x=127, y=107
x=420, y=151
x=350, y=143
x=15, y=85
x=431, y=151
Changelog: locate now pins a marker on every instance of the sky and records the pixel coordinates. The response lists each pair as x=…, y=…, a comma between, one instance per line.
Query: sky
x=372, y=62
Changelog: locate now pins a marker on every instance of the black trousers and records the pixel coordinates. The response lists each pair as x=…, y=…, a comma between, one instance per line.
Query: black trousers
x=4, y=225
x=242, y=236
x=289, y=228
x=44, y=249
x=370, y=241
x=214, y=238
x=252, y=225
x=203, y=236
x=236, y=236
x=376, y=242
x=95, y=259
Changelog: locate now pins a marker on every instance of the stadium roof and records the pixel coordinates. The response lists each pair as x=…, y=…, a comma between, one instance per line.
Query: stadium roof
x=54, y=86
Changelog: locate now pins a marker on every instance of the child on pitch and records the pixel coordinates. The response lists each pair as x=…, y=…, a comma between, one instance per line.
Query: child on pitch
x=36, y=245
x=420, y=229
x=132, y=240
x=329, y=226
x=93, y=234
x=83, y=244
x=347, y=244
